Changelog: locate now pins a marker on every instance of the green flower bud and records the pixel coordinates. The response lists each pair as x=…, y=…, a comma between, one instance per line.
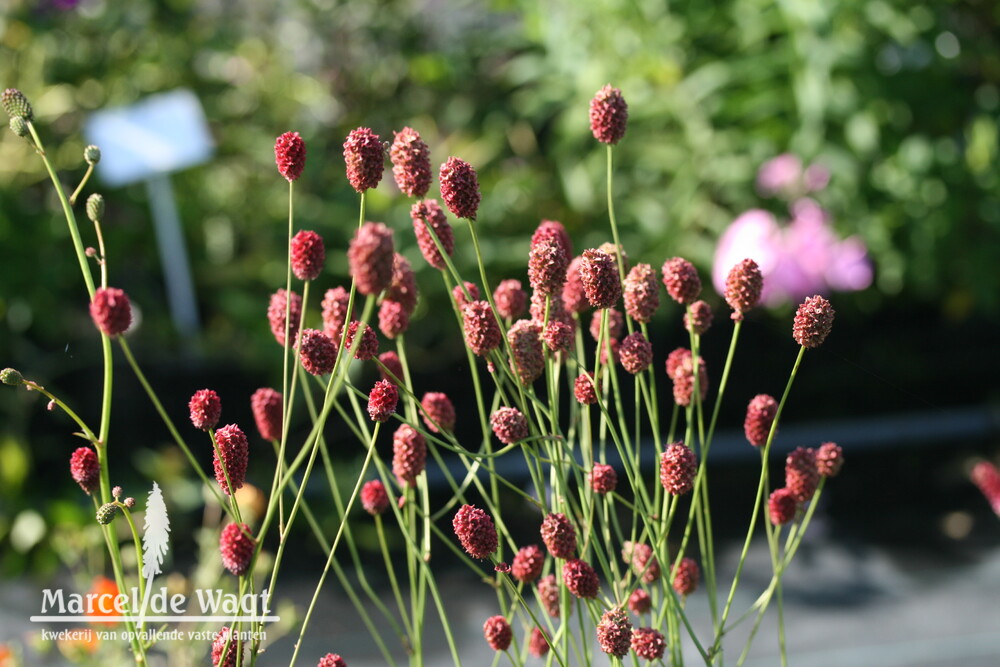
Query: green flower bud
x=12, y=377
x=92, y=154
x=16, y=104
x=107, y=513
x=18, y=126
x=95, y=207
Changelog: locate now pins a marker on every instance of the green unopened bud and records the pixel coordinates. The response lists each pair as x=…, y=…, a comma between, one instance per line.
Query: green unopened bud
x=92, y=154
x=18, y=126
x=16, y=104
x=12, y=377
x=107, y=513
x=95, y=207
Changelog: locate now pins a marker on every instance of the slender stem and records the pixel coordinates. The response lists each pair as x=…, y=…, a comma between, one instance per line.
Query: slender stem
x=83, y=182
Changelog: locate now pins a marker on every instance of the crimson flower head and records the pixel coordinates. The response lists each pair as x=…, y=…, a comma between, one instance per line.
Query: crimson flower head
x=987, y=478
x=85, y=469
x=475, y=530
x=642, y=293
x=574, y=297
x=538, y=644
x=205, y=408
x=364, y=156
x=743, y=287
x=409, y=454
x=584, y=389
x=382, y=401
x=553, y=230
x=678, y=465
x=558, y=535
x=498, y=633
x=460, y=188
x=368, y=345
x=558, y=335
x=681, y=280
x=335, y=314
x=639, y=602
x=599, y=275
x=236, y=547
x=528, y=360
x=510, y=299
x=801, y=473
x=266, y=406
x=614, y=632
x=374, y=498
x=782, y=506
x=648, y=644
x=276, y=310
x=479, y=325
x=680, y=369
x=698, y=319
x=760, y=415
x=403, y=288
x=640, y=556
x=603, y=479
x=829, y=459
x=547, y=264
x=111, y=311
x=393, y=318
x=230, y=456
x=411, y=162
x=686, y=576
x=290, y=155
x=223, y=656
x=331, y=660
x=813, y=322
x=439, y=412
x=392, y=364
x=528, y=562
x=458, y=294
x=548, y=595
x=616, y=324
x=317, y=352
x=427, y=213
x=581, y=579
x=635, y=353
x=371, y=257
x=307, y=255
x=608, y=115
x=509, y=425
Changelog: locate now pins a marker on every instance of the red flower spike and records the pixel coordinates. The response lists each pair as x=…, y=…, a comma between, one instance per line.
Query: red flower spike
x=85, y=468
x=393, y=319
x=614, y=632
x=553, y=230
x=574, y=297
x=538, y=644
x=558, y=336
x=699, y=319
x=648, y=643
x=813, y=322
x=558, y=535
x=743, y=287
x=475, y=530
x=317, y=352
x=409, y=455
x=608, y=115
x=364, y=156
x=509, y=425
x=639, y=602
x=528, y=360
x=440, y=412
x=374, y=498
x=987, y=478
x=616, y=324
x=111, y=310
x=548, y=595
x=234, y=450
x=382, y=401
x=801, y=474
x=636, y=353
x=331, y=660
x=580, y=579
x=829, y=459
x=411, y=162
x=782, y=506
x=307, y=255
x=760, y=416
x=528, y=562
x=686, y=577
x=680, y=370
x=368, y=345
x=428, y=212
x=392, y=364
x=584, y=389
x=599, y=275
x=459, y=294
x=205, y=408
x=403, y=287
x=276, y=315
x=266, y=406
x=498, y=633
x=511, y=300
x=370, y=257
x=641, y=293
x=681, y=280
x=236, y=547
x=290, y=155
x=335, y=315
x=678, y=465
x=640, y=557
x=234, y=652
x=547, y=264
x=603, y=479
x=460, y=188
x=480, y=328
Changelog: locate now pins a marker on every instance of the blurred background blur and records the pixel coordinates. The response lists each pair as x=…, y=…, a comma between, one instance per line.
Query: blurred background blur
x=883, y=114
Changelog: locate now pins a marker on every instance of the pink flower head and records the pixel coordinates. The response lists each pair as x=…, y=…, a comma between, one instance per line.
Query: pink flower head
x=307, y=255
x=558, y=535
x=335, y=314
x=111, y=311
x=290, y=155
x=603, y=479
x=223, y=656
x=581, y=579
x=382, y=401
x=498, y=633
x=813, y=322
x=635, y=353
x=698, y=319
x=538, y=643
x=584, y=389
x=639, y=602
x=509, y=425
x=428, y=213
x=411, y=162
x=599, y=275
x=782, y=506
x=686, y=576
x=528, y=562
x=393, y=318
x=85, y=469
x=392, y=364
x=829, y=459
x=370, y=257
x=364, y=156
x=409, y=455
x=642, y=293
x=236, y=546
x=458, y=294
x=640, y=557
x=475, y=530
x=558, y=336
x=317, y=352
x=614, y=632
x=780, y=175
x=616, y=324
x=374, y=498
x=403, y=287
x=681, y=280
x=678, y=465
x=439, y=413
x=460, y=188
x=744, y=285
x=648, y=643
x=510, y=299
x=367, y=347
x=552, y=230
x=987, y=478
x=331, y=660
x=276, y=310
x=266, y=406
x=547, y=264
x=608, y=115
x=528, y=361
x=574, y=297
x=760, y=415
x=548, y=595
x=231, y=454
x=482, y=333
x=801, y=473
x=206, y=408
x=680, y=368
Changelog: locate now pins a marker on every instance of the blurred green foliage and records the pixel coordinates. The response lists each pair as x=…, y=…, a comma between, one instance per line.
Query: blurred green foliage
x=899, y=100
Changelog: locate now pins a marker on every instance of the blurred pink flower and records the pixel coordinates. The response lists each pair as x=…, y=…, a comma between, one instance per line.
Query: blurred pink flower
x=779, y=174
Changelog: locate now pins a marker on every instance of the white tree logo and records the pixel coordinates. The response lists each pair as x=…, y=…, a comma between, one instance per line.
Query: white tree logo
x=155, y=536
